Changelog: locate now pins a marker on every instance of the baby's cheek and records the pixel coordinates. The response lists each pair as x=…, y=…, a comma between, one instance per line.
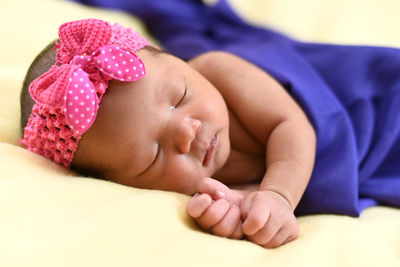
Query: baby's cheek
x=183, y=176
x=185, y=185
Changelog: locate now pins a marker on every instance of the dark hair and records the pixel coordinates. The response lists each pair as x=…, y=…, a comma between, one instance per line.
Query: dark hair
x=42, y=63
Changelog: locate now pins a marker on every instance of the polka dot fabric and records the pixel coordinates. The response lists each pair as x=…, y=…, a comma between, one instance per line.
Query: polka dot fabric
x=80, y=106
x=81, y=102
x=67, y=97
x=119, y=63
x=49, y=89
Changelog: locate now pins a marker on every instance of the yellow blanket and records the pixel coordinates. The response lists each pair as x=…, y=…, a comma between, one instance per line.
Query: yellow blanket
x=51, y=217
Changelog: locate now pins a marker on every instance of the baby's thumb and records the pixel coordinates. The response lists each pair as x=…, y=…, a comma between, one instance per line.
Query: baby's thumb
x=217, y=190
x=212, y=187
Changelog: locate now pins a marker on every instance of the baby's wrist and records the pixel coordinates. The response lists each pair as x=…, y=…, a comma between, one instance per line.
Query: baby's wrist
x=281, y=194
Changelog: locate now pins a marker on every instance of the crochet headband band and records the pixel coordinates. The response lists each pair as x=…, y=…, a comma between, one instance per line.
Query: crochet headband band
x=91, y=52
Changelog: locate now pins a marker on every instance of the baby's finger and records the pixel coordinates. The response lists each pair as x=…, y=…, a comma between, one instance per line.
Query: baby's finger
x=198, y=204
x=246, y=204
x=218, y=190
x=287, y=233
x=212, y=187
x=237, y=234
x=266, y=234
x=229, y=222
x=213, y=214
x=290, y=239
x=278, y=239
x=256, y=218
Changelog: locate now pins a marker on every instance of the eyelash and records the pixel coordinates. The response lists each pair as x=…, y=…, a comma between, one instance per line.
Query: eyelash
x=183, y=97
x=158, y=152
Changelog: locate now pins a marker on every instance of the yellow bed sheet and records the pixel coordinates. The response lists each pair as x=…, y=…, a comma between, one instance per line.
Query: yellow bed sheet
x=51, y=217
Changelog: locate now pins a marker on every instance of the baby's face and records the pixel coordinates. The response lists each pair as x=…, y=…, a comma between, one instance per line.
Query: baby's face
x=165, y=131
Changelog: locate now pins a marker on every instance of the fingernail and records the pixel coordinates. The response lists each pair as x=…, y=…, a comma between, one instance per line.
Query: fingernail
x=220, y=194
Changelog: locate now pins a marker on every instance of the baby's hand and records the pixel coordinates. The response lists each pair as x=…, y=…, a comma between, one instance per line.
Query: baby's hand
x=215, y=208
x=268, y=219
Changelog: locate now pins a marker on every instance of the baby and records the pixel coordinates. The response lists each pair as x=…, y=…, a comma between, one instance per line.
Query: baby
x=107, y=104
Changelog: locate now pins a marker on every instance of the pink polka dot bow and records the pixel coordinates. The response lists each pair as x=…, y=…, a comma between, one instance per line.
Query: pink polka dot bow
x=88, y=57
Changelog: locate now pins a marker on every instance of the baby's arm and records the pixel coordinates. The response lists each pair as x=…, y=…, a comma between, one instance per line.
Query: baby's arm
x=268, y=112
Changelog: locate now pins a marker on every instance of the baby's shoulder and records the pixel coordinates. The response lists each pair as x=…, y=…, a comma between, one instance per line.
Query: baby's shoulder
x=211, y=60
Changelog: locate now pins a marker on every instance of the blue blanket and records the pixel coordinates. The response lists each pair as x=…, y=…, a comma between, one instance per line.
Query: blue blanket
x=350, y=93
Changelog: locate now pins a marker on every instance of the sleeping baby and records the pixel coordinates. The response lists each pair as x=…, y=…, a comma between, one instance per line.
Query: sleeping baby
x=107, y=104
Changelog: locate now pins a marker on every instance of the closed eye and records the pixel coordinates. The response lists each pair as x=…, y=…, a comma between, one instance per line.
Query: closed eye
x=153, y=161
x=184, y=94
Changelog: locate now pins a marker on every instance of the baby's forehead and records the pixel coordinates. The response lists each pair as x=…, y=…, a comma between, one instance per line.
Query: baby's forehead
x=127, y=100
x=164, y=78
x=163, y=72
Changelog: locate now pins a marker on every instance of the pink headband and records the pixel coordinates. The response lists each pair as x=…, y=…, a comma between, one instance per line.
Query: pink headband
x=91, y=52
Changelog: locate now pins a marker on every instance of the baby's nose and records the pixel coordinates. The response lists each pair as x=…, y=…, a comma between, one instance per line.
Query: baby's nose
x=186, y=133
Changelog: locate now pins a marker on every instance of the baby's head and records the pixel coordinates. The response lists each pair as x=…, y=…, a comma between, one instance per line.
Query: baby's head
x=146, y=119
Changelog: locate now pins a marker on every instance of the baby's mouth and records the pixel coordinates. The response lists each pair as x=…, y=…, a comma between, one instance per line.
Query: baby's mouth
x=210, y=151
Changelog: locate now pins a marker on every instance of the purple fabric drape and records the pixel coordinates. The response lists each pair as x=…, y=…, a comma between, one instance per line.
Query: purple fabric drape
x=350, y=93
